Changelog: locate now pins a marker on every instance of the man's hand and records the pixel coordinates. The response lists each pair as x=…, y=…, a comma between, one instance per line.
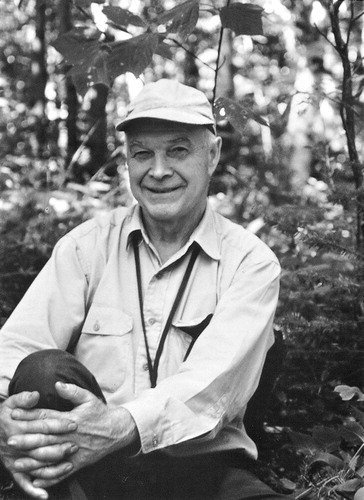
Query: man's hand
x=24, y=402
x=100, y=431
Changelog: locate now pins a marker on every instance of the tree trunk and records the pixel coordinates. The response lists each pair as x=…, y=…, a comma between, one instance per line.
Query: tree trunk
x=70, y=94
x=40, y=77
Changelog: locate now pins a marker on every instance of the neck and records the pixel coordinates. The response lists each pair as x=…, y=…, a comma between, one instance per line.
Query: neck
x=169, y=237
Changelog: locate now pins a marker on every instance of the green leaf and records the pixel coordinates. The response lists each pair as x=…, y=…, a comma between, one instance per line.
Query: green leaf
x=359, y=415
x=79, y=46
x=235, y=113
x=327, y=438
x=243, y=19
x=81, y=81
x=360, y=471
x=347, y=392
x=86, y=3
x=82, y=49
x=164, y=50
x=303, y=443
x=349, y=486
x=181, y=19
x=132, y=55
x=354, y=429
x=327, y=459
x=96, y=73
x=122, y=17
x=359, y=495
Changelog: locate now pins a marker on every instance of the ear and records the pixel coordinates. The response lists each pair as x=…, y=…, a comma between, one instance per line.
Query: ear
x=215, y=150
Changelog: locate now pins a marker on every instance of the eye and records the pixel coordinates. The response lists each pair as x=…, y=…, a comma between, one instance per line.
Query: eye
x=178, y=151
x=141, y=155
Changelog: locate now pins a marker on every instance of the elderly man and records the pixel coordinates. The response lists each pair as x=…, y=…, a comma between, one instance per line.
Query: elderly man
x=143, y=338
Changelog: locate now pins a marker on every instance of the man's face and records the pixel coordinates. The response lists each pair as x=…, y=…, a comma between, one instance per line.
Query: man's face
x=170, y=166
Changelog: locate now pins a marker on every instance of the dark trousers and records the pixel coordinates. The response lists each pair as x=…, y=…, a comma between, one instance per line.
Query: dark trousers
x=155, y=476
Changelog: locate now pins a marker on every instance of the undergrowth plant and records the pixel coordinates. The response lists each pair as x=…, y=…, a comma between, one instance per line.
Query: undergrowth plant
x=333, y=457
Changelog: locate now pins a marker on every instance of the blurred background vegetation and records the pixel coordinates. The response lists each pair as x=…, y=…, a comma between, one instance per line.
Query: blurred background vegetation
x=297, y=183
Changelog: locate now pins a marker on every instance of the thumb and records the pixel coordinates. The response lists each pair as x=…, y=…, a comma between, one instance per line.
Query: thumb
x=74, y=393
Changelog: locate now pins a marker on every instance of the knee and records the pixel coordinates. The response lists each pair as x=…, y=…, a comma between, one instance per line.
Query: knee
x=42, y=369
x=39, y=372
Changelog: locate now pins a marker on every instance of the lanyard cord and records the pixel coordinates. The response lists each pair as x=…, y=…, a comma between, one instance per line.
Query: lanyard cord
x=153, y=369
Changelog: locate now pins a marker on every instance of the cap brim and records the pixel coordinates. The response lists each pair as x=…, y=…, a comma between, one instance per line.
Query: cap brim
x=168, y=114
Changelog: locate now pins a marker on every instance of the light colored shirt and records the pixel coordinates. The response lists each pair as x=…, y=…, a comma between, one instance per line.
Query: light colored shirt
x=90, y=284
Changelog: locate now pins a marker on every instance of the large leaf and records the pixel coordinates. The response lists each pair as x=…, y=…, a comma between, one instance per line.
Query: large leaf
x=122, y=17
x=93, y=74
x=303, y=443
x=347, y=392
x=327, y=438
x=86, y=3
x=164, y=50
x=181, y=19
x=359, y=415
x=349, y=486
x=359, y=495
x=242, y=18
x=79, y=46
x=352, y=430
x=235, y=113
x=132, y=55
x=327, y=459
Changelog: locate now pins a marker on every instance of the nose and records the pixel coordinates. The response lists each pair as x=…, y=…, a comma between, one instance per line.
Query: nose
x=160, y=168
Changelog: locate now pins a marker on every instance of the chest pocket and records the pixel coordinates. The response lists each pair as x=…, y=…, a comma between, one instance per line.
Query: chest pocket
x=193, y=329
x=105, y=346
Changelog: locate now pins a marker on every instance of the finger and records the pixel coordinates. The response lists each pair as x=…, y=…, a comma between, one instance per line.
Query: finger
x=36, y=414
x=54, y=471
x=35, y=491
x=44, y=457
x=26, y=442
x=23, y=399
x=54, y=453
x=48, y=426
x=27, y=464
x=47, y=483
x=71, y=392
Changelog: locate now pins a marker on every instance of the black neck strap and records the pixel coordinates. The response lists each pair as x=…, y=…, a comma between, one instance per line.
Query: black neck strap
x=153, y=368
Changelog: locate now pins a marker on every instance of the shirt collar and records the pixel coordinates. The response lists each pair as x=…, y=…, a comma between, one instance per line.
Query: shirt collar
x=205, y=233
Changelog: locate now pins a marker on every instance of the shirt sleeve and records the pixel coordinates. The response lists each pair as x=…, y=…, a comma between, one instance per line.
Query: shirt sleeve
x=223, y=369
x=50, y=311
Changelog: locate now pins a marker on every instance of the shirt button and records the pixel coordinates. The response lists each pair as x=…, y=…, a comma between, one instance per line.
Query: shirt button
x=155, y=441
x=151, y=321
x=96, y=326
x=145, y=367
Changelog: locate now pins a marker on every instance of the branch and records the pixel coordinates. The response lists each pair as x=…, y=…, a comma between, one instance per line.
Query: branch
x=179, y=44
x=325, y=36
x=79, y=150
x=218, y=58
x=337, y=5
x=358, y=17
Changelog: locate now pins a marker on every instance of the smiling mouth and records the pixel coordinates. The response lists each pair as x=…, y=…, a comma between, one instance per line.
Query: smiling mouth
x=161, y=190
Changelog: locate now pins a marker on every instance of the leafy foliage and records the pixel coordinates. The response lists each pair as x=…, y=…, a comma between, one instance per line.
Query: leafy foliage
x=311, y=225
x=244, y=19
x=333, y=463
x=96, y=60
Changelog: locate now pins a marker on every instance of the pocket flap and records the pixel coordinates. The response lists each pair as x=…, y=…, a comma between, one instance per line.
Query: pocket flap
x=107, y=321
x=194, y=327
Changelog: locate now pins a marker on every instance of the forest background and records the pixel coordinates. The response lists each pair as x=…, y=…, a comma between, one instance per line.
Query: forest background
x=287, y=79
